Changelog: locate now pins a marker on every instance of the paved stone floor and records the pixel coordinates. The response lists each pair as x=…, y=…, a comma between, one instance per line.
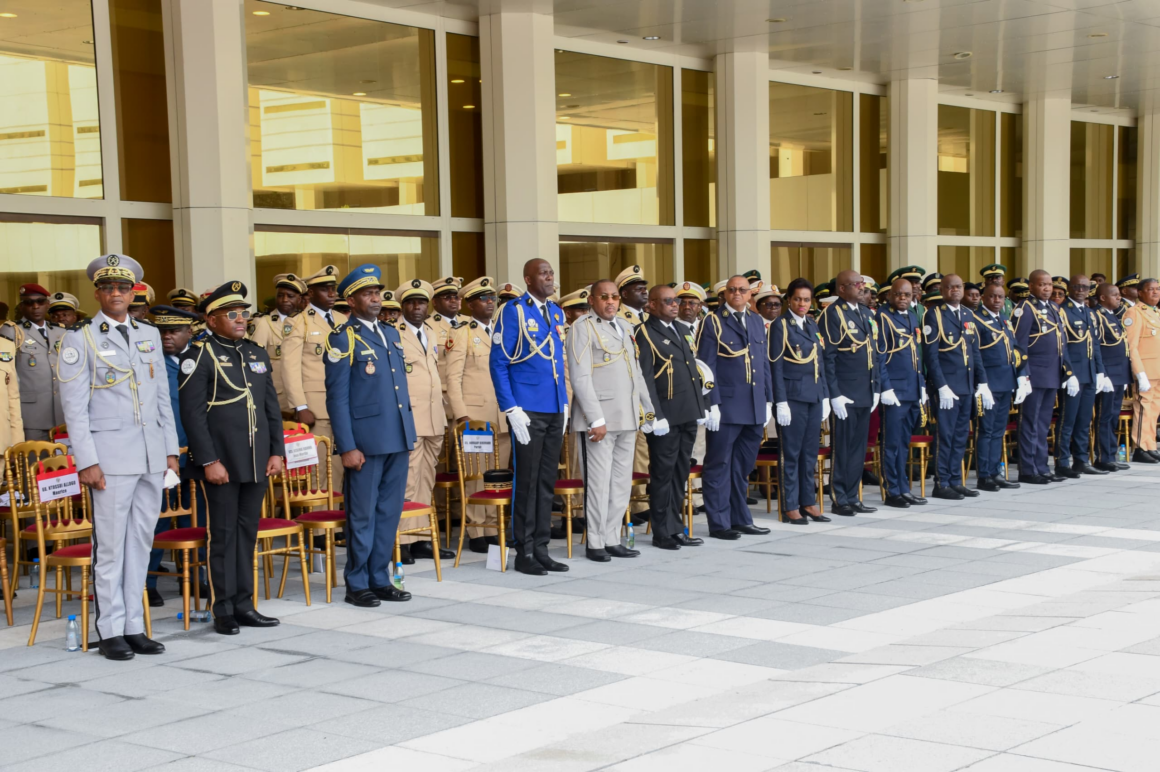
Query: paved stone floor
x=1018, y=632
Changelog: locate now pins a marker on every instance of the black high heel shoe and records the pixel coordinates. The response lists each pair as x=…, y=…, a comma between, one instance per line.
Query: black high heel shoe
x=801, y=519
x=815, y=518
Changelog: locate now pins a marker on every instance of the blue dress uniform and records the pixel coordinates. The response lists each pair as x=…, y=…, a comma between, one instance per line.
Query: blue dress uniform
x=1084, y=352
x=854, y=371
x=1004, y=363
x=952, y=359
x=527, y=371
x=799, y=378
x=1039, y=336
x=1118, y=368
x=370, y=411
x=900, y=350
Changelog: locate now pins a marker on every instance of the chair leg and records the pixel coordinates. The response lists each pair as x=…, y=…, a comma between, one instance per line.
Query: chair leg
x=39, y=605
x=257, y=549
x=568, y=522
x=462, y=530
x=302, y=562
x=59, y=589
x=502, y=541
x=922, y=471
x=148, y=615
x=7, y=591
x=184, y=587
x=434, y=519
x=285, y=565
x=328, y=561
x=85, y=608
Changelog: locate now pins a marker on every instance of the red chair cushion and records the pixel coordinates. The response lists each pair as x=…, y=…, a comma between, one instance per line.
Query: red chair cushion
x=181, y=534
x=322, y=514
x=411, y=506
x=53, y=524
x=569, y=483
x=640, y=476
x=495, y=495
x=446, y=477
x=74, y=551
x=765, y=457
x=823, y=451
x=869, y=456
x=1125, y=414
x=1012, y=426
x=696, y=468
x=921, y=438
x=274, y=524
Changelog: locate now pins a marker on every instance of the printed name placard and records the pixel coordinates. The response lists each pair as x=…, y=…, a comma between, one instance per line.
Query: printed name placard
x=58, y=484
x=478, y=441
x=301, y=451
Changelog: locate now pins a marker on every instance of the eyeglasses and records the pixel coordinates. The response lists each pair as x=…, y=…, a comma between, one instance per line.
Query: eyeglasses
x=1081, y=286
x=736, y=290
x=607, y=296
x=234, y=315
x=669, y=301
x=121, y=289
x=855, y=284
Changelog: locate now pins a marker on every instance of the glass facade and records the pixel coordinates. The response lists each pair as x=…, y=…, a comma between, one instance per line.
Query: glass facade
x=150, y=242
x=583, y=261
x=342, y=112
x=874, y=261
x=467, y=256
x=1011, y=175
x=965, y=261
x=966, y=171
x=142, y=111
x=698, y=147
x=1091, y=180
x=50, y=251
x=816, y=262
x=1127, y=152
x=701, y=261
x=465, y=126
x=1126, y=263
x=614, y=140
x=50, y=129
x=1088, y=261
x=873, y=163
x=811, y=172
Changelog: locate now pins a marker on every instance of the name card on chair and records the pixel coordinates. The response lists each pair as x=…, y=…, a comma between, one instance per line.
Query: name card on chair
x=301, y=451
x=478, y=441
x=58, y=484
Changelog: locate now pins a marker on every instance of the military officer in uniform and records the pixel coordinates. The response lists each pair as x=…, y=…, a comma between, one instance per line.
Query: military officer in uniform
x=229, y=408
x=470, y=391
x=303, y=372
x=1073, y=432
x=38, y=343
x=575, y=305
x=142, y=298
x=389, y=313
x=1003, y=362
x=268, y=330
x=1142, y=328
x=692, y=299
x=1129, y=287
x=633, y=289
x=527, y=371
x=370, y=408
x=1110, y=334
x=1039, y=335
x=115, y=395
x=508, y=291
x=185, y=299
x=11, y=421
x=63, y=309
x=446, y=304
x=899, y=348
x=996, y=273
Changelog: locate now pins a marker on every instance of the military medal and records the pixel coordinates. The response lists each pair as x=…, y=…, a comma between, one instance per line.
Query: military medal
x=607, y=357
x=408, y=367
x=370, y=368
x=287, y=327
x=318, y=349
x=32, y=361
x=110, y=376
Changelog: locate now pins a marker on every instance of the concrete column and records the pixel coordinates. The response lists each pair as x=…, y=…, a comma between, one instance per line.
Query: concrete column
x=1046, y=184
x=1148, y=194
x=519, y=142
x=743, y=163
x=913, y=169
x=212, y=210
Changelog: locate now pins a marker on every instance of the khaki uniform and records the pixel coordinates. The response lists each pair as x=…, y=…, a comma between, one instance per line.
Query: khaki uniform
x=443, y=327
x=304, y=375
x=632, y=317
x=36, y=365
x=1142, y=331
x=11, y=423
x=471, y=394
x=268, y=332
x=426, y=391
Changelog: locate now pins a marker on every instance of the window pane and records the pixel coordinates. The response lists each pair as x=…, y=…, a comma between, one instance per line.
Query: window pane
x=583, y=262
x=465, y=126
x=342, y=112
x=965, y=261
x=402, y=255
x=50, y=131
x=1126, y=204
x=1016, y=261
x=1089, y=261
x=874, y=181
x=142, y=109
x=614, y=140
x=811, y=174
x=1091, y=180
x=874, y=262
x=701, y=261
x=1125, y=264
x=51, y=251
x=817, y=263
x=467, y=257
x=698, y=151
x=1011, y=176
x=966, y=172
x=150, y=243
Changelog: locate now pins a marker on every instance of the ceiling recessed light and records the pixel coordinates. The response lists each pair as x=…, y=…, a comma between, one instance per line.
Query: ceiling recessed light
x=778, y=20
x=1098, y=35
x=622, y=42
x=1111, y=77
x=457, y=80
x=359, y=93
x=652, y=37
x=565, y=118
x=964, y=55
x=261, y=13
x=295, y=8
x=821, y=113
x=564, y=95
x=469, y=107
x=368, y=82
x=996, y=91
x=7, y=16
x=86, y=42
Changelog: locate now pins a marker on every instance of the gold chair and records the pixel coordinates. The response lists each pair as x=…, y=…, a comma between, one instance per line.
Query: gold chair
x=471, y=466
x=5, y=590
x=567, y=488
x=446, y=481
x=767, y=463
x=694, y=474
x=304, y=488
x=417, y=509
x=19, y=480
x=922, y=443
x=269, y=529
x=187, y=541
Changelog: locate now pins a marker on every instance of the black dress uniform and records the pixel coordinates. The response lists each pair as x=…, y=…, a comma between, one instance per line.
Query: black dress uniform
x=1004, y=364
x=1075, y=413
x=799, y=380
x=900, y=349
x=229, y=408
x=951, y=341
x=1113, y=346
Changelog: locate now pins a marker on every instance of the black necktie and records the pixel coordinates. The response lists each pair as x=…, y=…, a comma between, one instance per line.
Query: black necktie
x=330, y=320
x=547, y=320
x=44, y=334
x=740, y=315
x=124, y=332
x=487, y=330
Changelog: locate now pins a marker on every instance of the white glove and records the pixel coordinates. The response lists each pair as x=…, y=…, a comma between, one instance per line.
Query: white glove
x=1103, y=383
x=888, y=398
x=520, y=423
x=1023, y=390
x=946, y=398
x=713, y=419
x=647, y=427
x=768, y=412
x=838, y=404
x=1142, y=382
x=1072, y=386
x=825, y=410
x=660, y=428
x=874, y=406
x=922, y=400
x=565, y=432
x=783, y=414
x=984, y=391
x=701, y=421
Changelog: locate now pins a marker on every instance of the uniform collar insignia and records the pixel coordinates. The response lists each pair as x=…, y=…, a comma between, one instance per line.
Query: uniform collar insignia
x=104, y=327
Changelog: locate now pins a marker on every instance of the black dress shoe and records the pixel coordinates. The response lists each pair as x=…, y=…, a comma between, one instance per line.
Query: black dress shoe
x=1033, y=479
x=727, y=534
x=405, y=555
x=688, y=541
x=751, y=530
x=948, y=493
x=1121, y=466
x=530, y=566
x=845, y=510
x=392, y=594
x=869, y=478
x=597, y=555
x=1003, y=482
x=155, y=598
x=116, y=648
x=862, y=509
x=226, y=626
x=964, y=490
x=1154, y=454
x=1142, y=457
x=1089, y=469
x=898, y=502
x=1067, y=472
x=915, y=501
x=552, y=565
x=750, y=501
x=987, y=484
x=620, y=551
x=1107, y=466
x=478, y=544
x=799, y=520
x=1055, y=477
x=252, y=618
x=424, y=550
x=819, y=518
x=665, y=543
x=203, y=587
x=142, y=645
x=700, y=509
x=361, y=598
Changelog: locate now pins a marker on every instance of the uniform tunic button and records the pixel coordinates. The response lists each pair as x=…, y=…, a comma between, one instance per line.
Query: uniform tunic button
x=400, y=407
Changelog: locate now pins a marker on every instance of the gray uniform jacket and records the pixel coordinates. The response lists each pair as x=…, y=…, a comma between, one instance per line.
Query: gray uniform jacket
x=40, y=406
x=116, y=397
x=606, y=378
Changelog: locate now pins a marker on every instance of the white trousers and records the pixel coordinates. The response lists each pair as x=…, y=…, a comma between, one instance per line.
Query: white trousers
x=125, y=515
x=607, y=485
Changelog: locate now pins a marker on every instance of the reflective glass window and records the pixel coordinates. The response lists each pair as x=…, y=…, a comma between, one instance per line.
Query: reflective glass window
x=1125, y=263
x=1126, y=195
x=966, y=262
x=142, y=108
x=150, y=243
x=1091, y=180
x=467, y=256
x=698, y=147
x=701, y=261
x=465, y=126
x=874, y=172
x=873, y=262
x=811, y=171
x=614, y=140
x=966, y=171
x=1011, y=175
x=1089, y=261
x=815, y=262
x=584, y=261
x=1015, y=258
x=50, y=251
x=50, y=129
x=342, y=112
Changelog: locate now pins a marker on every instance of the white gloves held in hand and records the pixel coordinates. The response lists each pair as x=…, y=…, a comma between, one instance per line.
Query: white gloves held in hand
x=1023, y=390
x=1072, y=386
x=874, y=406
x=768, y=413
x=660, y=428
x=783, y=414
x=713, y=419
x=1103, y=384
x=984, y=391
x=946, y=398
x=825, y=410
x=520, y=422
x=838, y=404
x=1142, y=382
x=923, y=399
x=888, y=398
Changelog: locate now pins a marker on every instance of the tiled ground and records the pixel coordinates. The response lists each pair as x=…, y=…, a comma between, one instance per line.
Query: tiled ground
x=1019, y=632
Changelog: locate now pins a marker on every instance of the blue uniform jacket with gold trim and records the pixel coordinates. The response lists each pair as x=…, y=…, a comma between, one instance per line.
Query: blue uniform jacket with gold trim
x=527, y=357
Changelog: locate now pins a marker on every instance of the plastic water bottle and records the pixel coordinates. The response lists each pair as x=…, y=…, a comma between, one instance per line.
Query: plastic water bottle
x=72, y=634
x=35, y=577
x=397, y=579
x=631, y=535
x=199, y=616
x=1002, y=470
x=1122, y=455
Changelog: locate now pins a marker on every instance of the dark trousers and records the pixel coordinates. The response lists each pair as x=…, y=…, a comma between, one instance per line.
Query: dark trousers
x=848, y=453
x=1075, y=423
x=535, y=467
x=989, y=431
x=165, y=524
x=1034, y=422
x=798, y=455
x=951, y=440
x=730, y=455
x=232, y=513
x=374, y=503
x=1107, y=418
x=669, y=459
x=898, y=424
